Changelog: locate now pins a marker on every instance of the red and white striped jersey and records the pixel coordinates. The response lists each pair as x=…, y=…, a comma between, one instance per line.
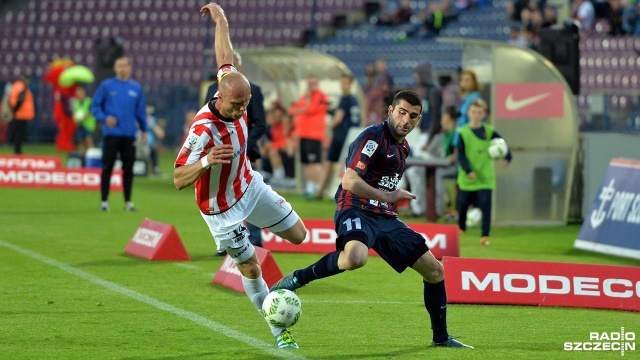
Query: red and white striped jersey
x=221, y=186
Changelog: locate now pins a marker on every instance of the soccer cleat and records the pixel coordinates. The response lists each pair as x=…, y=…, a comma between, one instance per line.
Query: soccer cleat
x=452, y=343
x=104, y=206
x=130, y=206
x=484, y=241
x=289, y=282
x=285, y=340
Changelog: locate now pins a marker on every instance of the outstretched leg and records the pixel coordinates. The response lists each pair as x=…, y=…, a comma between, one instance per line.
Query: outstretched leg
x=435, y=299
x=353, y=257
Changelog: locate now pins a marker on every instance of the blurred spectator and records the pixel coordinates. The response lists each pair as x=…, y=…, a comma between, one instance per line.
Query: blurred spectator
x=156, y=134
x=550, y=15
x=615, y=18
x=631, y=19
x=189, y=115
x=514, y=9
x=584, y=12
x=119, y=105
x=536, y=23
x=281, y=147
x=469, y=92
x=81, y=108
x=450, y=91
x=394, y=13
x=428, y=141
x=22, y=112
x=6, y=115
x=347, y=115
x=432, y=19
x=310, y=112
x=448, y=151
x=379, y=94
x=517, y=38
x=432, y=101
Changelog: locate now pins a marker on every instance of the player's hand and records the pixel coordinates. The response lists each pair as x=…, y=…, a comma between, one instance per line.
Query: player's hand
x=221, y=154
x=399, y=194
x=111, y=121
x=214, y=9
x=144, y=139
x=472, y=175
x=505, y=162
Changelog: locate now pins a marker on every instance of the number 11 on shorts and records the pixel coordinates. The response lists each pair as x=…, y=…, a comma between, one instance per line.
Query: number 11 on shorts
x=355, y=221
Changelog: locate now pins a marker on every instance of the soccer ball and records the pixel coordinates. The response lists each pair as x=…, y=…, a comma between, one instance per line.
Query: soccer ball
x=474, y=216
x=498, y=149
x=282, y=308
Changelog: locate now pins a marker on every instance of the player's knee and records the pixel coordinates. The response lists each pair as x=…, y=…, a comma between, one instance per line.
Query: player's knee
x=298, y=233
x=436, y=273
x=354, y=261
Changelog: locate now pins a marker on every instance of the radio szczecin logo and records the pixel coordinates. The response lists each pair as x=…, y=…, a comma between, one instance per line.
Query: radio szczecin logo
x=606, y=341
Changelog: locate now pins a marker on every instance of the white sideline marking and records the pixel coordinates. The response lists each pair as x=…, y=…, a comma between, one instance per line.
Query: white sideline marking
x=226, y=331
x=188, y=266
x=367, y=302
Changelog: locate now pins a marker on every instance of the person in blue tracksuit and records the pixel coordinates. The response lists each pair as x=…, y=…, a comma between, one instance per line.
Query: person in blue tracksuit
x=119, y=106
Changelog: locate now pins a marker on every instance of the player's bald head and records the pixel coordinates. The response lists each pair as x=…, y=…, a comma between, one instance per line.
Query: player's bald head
x=235, y=93
x=234, y=83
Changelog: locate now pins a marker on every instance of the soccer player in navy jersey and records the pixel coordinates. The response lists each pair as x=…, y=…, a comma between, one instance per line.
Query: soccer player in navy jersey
x=366, y=219
x=227, y=190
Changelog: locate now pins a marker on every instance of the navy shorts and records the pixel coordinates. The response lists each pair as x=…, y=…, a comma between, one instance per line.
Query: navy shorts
x=335, y=149
x=310, y=151
x=395, y=242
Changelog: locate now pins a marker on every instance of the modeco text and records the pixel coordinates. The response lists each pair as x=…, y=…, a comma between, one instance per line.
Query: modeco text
x=329, y=236
x=551, y=284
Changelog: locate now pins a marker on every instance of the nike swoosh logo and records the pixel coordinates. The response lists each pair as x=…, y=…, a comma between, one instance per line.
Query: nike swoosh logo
x=514, y=105
x=391, y=155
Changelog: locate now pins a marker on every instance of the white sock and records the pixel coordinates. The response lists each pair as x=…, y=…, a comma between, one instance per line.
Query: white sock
x=257, y=290
x=278, y=173
x=308, y=187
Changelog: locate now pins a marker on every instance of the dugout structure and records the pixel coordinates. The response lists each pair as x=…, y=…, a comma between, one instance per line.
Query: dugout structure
x=282, y=74
x=534, y=109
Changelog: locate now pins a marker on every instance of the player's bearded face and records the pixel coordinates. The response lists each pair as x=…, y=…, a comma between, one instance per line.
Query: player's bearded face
x=403, y=118
x=234, y=106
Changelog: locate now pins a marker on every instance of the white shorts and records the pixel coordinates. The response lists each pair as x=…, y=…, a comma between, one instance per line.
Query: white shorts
x=262, y=207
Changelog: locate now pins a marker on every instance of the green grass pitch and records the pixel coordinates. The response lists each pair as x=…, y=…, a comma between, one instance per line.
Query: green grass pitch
x=68, y=291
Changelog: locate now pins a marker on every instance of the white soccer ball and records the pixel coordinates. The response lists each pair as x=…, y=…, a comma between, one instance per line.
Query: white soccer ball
x=498, y=149
x=474, y=216
x=79, y=115
x=282, y=308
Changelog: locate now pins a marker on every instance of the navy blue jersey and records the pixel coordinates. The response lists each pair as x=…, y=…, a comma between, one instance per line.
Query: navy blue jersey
x=348, y=104
x=380, y=160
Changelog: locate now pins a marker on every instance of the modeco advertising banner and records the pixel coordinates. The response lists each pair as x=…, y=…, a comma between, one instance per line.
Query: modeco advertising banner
x=30, y=162
x=442, y=240
x=508, y=282
x=47, y=172
x=612, y=225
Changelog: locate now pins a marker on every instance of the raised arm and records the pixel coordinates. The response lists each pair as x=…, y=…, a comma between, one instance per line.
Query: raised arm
x=222, y=46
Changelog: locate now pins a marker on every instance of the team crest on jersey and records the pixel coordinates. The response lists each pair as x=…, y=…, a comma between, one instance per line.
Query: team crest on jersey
x=369, y=148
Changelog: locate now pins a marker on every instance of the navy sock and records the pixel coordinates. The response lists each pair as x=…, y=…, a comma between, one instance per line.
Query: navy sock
x=325, y=267
x=435, y=301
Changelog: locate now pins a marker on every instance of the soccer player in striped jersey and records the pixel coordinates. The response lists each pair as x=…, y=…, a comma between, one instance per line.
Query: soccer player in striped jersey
x=228, y=190
x=366, y=219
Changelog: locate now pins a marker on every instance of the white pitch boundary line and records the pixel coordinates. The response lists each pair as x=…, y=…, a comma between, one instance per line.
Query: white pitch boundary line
x=226, y=331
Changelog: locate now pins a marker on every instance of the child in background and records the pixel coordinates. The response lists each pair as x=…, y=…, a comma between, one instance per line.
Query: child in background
x=80, y=106
x=476, y=174
x=449, y=123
